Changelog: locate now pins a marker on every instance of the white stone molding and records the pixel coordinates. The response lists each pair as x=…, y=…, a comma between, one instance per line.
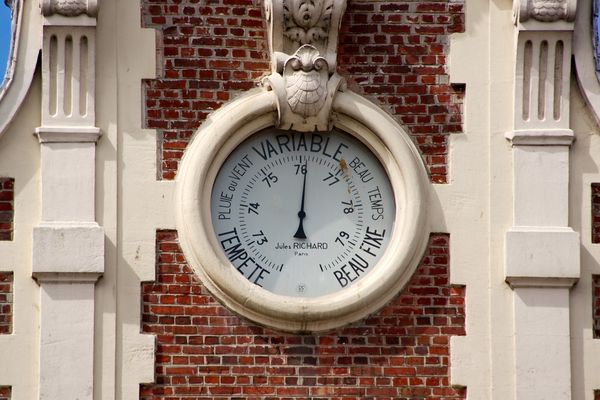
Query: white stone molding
x=303, y=38
x=26, y=42
x=305, y=91
x=583, y=50
x=69, y=134
x=542, y=343
x=68, y=244
x=70, y=8
x=545, y=10
x=542, y=258
x=586, y=347
x=547, y=137
x=68, y=69
x=542, y=80
x=213, y=142
x=68, y=259
x=542, y=252
x=293, y=23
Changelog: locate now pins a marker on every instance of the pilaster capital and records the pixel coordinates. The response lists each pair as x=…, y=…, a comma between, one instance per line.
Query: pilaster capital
x=544, y=10
x=69, y=8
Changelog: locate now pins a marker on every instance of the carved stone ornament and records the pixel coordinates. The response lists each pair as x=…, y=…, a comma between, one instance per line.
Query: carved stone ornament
x=307, y=22
x=305, y=75
x=545, y=10
x=70, y=8
x=303, y=36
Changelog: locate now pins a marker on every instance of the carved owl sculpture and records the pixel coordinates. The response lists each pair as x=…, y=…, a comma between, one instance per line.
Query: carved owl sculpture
x=306, y=75
x=307, y=21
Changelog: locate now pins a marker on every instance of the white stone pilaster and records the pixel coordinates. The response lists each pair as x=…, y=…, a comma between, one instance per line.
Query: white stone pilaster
x=68, y=244
x=542, y=251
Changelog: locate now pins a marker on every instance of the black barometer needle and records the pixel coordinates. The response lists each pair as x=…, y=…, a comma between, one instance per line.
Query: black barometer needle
x=301, y=214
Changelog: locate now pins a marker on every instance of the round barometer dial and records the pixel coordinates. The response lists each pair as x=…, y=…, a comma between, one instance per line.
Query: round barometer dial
x=302, y=214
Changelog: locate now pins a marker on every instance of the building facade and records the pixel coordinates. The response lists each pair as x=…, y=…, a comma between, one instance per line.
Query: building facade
x=133, y=266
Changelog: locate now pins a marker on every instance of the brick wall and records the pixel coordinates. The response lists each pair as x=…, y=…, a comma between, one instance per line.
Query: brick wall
x=6, y=208
x=596, y=239
x=6, y=301
x=205, y=351
x=394, y=52
x=5, y=392
x=208, y=52
x=595, y=212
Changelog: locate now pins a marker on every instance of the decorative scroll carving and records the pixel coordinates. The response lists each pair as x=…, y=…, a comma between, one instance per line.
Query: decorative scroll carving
x=70, y=8
x=307, y=22
x=303, y=38
x=545, y=10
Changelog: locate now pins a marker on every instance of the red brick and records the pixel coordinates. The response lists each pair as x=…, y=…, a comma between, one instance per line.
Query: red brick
x=381, y=356
x=6, y=305
x=6, y=208
x=5, y=392
x=221, y=47
x=595, y=212
x=596, y=305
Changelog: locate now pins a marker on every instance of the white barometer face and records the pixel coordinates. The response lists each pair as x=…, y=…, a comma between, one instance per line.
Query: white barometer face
x=302, y=231
x=302, y=214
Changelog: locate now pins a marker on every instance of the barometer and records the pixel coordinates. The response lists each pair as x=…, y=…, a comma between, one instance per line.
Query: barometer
x=296, y=229
x=302, y=214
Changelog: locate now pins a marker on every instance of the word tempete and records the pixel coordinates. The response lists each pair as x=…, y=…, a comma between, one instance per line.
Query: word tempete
x=246, y=265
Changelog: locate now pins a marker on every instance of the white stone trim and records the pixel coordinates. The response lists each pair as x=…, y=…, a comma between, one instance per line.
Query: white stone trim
x=68, y=134
x=542, y=259
x=23, y=57
x=541, y=137
x=542, y=343
x=583, y=51
x=542, y=80
x=545, y=10
x=66, y=345
x=303, y=42
x=355, y=115
x=68, y=245
x=69, y=8
x=69, y=73
x=68, y=249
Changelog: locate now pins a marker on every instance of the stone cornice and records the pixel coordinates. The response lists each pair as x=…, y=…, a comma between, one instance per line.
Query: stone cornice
x=541, y=137
x=68, y=134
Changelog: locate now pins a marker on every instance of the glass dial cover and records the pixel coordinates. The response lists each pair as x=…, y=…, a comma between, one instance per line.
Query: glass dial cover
x=302, y=214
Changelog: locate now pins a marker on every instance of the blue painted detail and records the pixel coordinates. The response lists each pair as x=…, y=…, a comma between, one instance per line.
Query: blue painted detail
x=5, y=30
x=596, y=35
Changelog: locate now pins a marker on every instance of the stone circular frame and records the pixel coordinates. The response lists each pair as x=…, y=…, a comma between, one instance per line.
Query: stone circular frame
x=231, y=125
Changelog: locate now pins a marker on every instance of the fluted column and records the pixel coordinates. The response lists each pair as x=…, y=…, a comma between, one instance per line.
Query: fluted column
x=68, y=244
x=542, y=251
